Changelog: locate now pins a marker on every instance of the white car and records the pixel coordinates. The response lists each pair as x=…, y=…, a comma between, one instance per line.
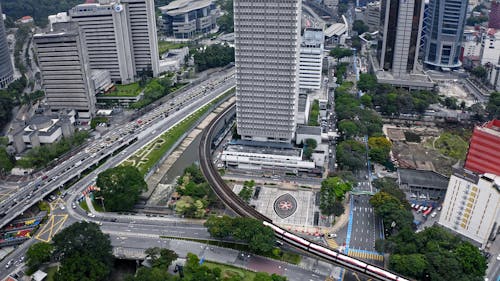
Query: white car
x=498, y=257
x=61, y=206
x=91, y=215
x=433, y=214
x=332, y=235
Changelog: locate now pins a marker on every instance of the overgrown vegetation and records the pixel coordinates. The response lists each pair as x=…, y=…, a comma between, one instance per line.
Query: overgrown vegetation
x=164, y=46
x=120, y=188
x=22, y=34
x=38, y=9
x=393, y=101
x=314, y=114
x=83, y=251
x=226, y=21
x=332, y=193
x=211, y=56
x=493, y=106
x=247, y=190
x=433, y=254
x=98, y=120
x=196, y=194
x=452, y=146
x=391, y=206
x=41, y=156
x=260, y=238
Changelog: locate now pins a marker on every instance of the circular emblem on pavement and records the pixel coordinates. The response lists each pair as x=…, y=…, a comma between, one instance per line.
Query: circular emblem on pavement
x=285, y=205
x=118, y=8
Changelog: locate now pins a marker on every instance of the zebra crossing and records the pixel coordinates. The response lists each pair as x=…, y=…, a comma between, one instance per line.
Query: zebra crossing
x=367, y=255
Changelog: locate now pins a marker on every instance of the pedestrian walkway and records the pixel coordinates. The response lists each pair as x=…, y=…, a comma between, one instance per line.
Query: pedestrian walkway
x=367, y=255
x=332, y=243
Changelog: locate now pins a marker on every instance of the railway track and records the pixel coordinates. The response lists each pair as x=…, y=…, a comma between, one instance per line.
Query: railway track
x=240, y=207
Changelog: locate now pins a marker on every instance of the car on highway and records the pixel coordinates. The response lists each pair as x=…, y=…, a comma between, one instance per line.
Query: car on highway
x=73, y=205
x=498, y=257
x=91, y=215
x=332, y=235
x=61, y=206
x=8, y=264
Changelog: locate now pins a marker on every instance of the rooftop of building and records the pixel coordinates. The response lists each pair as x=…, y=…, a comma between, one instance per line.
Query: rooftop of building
x=492, y=127
x=183, y=6
x=281, y=149
x=423, y=178
x=302, y=102
x=309, y=130
x=313, y=37
x=335, y=29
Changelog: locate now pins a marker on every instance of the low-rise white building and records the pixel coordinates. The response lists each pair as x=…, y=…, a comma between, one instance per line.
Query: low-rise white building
x=311, y=59
x=271, y=157
x=471, y=207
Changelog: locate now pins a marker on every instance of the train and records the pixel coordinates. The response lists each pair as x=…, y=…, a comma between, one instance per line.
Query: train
x=333, y=256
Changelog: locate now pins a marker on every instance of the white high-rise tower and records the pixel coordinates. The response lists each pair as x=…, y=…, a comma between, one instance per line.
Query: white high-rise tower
x=267, y=45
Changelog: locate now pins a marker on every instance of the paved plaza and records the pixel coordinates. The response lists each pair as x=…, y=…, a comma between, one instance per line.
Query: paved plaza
x=292, y=208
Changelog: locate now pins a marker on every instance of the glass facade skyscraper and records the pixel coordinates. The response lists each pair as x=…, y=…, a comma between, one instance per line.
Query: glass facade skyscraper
x=444, y=28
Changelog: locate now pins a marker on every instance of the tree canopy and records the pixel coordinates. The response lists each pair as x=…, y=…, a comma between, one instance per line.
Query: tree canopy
x=380, y=147
x=360, y=27
x=84, y=251
x=196, y=193
x=38, y=9
x=433, y=254
x=493, y=106
x=351, y=155
x=260, y=238
x=332, y=192
x=216, y=55
x=395, y=213
x=120, y=187
x=37, y=254
x=340, y=53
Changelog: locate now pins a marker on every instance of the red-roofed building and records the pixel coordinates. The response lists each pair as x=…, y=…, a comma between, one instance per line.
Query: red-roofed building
x=484, y=149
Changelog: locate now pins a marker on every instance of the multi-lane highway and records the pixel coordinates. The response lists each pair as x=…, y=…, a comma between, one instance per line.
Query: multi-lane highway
x=134, y=134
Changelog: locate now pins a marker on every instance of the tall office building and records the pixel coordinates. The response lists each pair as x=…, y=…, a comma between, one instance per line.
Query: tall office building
x=120, y=37
x=142, y=21
x=401, y=27
x=6, y=69
x=62, y=57
x=107, y=35
x=444, y=28
x=267, y=40
x=311, y=59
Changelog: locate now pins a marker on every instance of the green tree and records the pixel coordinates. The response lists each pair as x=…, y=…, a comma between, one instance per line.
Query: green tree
x=6, y=161
x=246, y=193
x=349, y=128
x=493, y=106
x=471, y=260
x=215, y=55
x=219, y=227
x=410, y=265
x=82, y=268
x=120, y=187
x=332, y=193
x=380, y=147
x=480, y=72
x=83, y=238
x=150, y=274
x=367, y=82
x=37, y=254
x=393, y=212
x=161, y=258
x=340, y=53
x=263, y=276
x=360, y=27
x=389, y=186
x=351, y=155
